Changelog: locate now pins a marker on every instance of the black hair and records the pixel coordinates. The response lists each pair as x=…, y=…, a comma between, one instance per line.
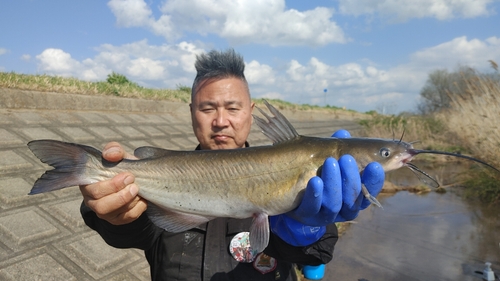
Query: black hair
x=218, y=65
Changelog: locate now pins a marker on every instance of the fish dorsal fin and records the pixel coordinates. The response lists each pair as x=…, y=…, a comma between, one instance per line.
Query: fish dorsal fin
x=277, y=128
x=173, y=221
x=151, y=152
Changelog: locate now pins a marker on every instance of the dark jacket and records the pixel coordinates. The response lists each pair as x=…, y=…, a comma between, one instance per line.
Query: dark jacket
x=203, y=253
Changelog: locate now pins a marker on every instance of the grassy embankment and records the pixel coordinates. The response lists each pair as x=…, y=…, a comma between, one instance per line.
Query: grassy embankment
x=116, y=85
x=469, y=127
x=119, y=86
x=475, y=118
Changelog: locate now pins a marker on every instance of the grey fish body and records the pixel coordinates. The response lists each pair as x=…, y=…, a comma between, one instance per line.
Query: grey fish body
x=220, y=183
x=187, y=188
x=225, y=183
x=239, y=182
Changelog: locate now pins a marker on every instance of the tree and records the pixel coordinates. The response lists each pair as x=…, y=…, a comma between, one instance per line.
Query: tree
x=116, y=78
x=441, y=84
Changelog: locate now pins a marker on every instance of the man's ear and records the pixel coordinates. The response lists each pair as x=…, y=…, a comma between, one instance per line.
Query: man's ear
x=252, y=106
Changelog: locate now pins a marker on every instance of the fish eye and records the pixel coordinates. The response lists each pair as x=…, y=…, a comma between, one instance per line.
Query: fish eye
x=385, y=152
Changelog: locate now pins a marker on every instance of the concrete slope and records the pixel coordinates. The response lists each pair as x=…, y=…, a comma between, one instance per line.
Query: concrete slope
x=43, y=237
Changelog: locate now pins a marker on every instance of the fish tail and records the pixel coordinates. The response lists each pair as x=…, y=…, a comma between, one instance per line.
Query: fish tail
x=69, y=161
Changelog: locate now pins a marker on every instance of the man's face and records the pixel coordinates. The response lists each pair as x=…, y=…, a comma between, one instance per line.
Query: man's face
x=221, y=112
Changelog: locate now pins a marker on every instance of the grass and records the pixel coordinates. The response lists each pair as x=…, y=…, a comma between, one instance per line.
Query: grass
x=118, y=85
x=426, y=132
x=471, y=126
x=47, y=83
x=474, y=118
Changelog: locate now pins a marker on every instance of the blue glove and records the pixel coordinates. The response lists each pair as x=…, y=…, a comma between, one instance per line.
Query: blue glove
x=341, y=134
x=335, y=196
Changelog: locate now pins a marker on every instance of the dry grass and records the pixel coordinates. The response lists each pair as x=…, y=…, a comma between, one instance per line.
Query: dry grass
x=426, y=132
x=47, y=83
x=475, y=118
x=471, y=126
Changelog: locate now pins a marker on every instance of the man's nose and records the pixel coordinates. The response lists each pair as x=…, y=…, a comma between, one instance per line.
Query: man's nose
x=221, y=120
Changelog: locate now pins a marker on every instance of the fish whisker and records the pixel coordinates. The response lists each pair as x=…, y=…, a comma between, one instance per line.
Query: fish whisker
x=419, y=151
x=402, y=135
x=423, y=176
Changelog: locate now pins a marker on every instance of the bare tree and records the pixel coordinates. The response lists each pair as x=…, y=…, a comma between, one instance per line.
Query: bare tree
x=442, y=84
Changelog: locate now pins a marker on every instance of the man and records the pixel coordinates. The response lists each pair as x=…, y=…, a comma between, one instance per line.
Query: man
x=221, y=112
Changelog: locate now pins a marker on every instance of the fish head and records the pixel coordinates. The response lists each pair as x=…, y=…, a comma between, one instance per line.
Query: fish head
x=391, y=154
x=394, y=154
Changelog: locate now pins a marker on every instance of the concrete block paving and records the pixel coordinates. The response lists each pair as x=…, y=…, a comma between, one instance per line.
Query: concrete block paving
x=43, y=237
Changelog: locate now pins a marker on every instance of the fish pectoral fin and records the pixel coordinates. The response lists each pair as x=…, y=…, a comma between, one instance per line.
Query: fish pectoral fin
x=259, y=232
x=173, y=221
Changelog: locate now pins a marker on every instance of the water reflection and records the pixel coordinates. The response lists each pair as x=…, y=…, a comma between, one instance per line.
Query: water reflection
x=419, y=237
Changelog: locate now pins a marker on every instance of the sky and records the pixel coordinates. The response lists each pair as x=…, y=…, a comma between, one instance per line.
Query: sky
x=358, y=54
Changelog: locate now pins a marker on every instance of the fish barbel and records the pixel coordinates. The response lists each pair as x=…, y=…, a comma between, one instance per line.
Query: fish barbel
x=187, y=188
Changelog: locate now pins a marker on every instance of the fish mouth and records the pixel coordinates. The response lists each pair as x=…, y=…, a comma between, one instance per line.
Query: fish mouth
x=407, y=158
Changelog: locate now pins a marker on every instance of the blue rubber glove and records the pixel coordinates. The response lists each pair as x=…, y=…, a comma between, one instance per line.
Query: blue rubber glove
x=335, y=196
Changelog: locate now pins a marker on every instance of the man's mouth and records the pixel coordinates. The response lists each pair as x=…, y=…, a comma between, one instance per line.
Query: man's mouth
x=220, y=137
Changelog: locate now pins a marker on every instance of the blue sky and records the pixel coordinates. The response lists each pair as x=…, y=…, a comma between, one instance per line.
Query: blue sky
x=369, y=55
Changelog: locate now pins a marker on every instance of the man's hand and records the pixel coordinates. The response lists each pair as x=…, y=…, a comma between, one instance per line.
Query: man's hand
x=334, y=196
x=115, y=200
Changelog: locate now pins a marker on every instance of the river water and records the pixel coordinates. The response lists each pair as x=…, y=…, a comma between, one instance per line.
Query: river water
x=429, y=236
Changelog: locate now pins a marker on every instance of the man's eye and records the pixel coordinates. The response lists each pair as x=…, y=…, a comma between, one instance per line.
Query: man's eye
x=233, y=109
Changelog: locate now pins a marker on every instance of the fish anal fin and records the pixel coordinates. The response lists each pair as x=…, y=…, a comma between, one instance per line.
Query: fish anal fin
x=173, y=221
x=259, y=232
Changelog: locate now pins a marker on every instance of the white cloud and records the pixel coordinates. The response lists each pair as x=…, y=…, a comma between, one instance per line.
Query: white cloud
x=364, y=86
x=146, y=69
x=240, y=22
x=130, y=13
x=360, y=85
x=26, y=57
x=474, y=53
x=257, y=73
x=3, y=51
x=403, y=10
x=160, y=65
x=58, y=62
x=352, y=85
